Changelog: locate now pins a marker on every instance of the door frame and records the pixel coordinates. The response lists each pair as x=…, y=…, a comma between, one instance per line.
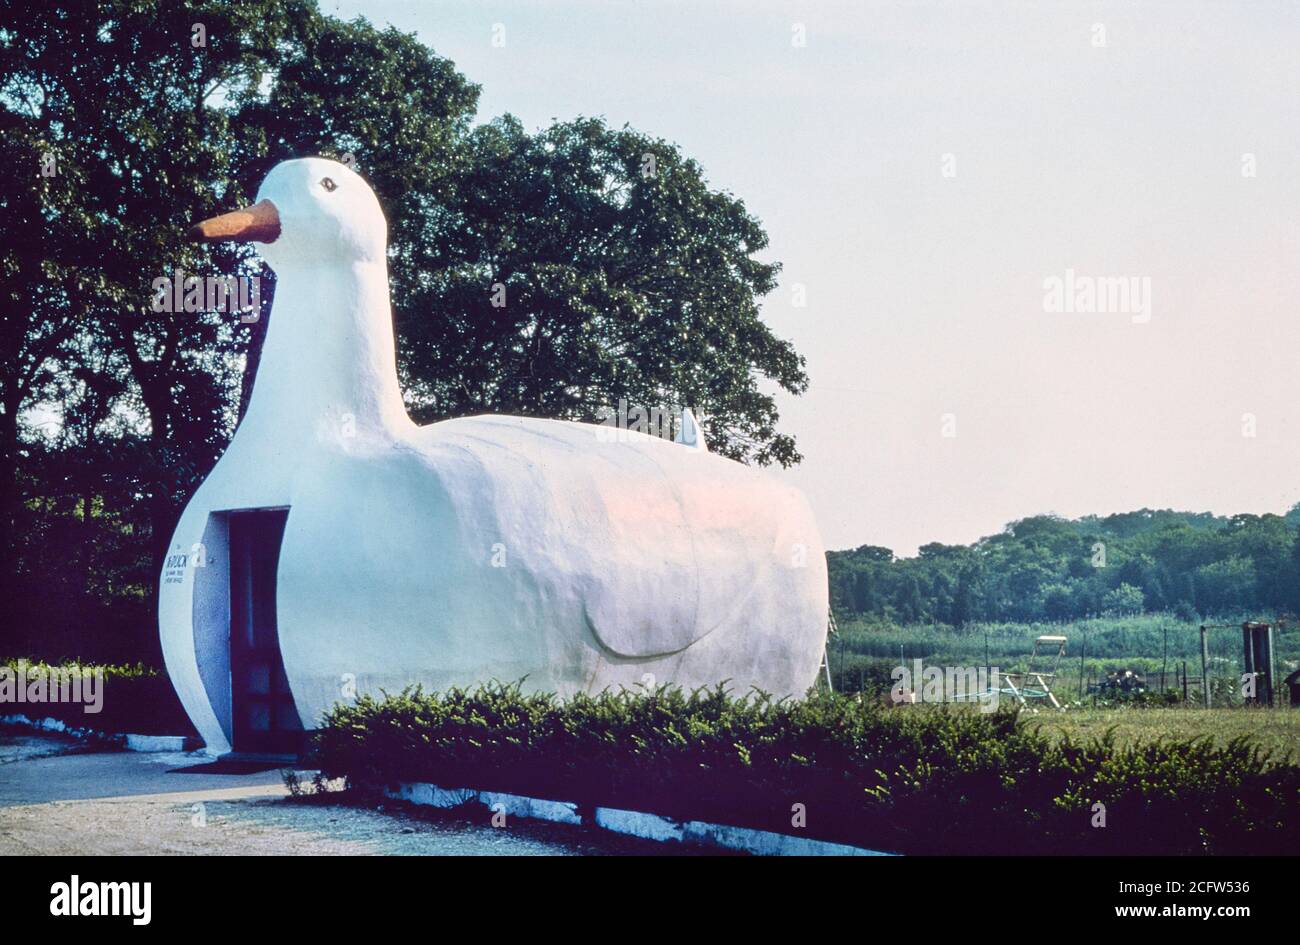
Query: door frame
x=256, y=664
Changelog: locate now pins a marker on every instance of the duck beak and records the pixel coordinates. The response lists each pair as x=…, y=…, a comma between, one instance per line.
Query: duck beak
x=260, y=223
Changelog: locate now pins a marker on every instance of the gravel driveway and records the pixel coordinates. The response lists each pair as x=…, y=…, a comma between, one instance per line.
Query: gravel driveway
x=56, y=798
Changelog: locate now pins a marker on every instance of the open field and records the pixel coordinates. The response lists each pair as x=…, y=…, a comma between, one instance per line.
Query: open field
x=862, y=655
x=1275, y=730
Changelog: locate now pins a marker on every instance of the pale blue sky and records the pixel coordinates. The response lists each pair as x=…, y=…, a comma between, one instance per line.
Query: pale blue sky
x=924, y=291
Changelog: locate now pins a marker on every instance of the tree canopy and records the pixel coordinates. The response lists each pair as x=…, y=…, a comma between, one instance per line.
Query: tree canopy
x=625, y=274
x=1050, y=568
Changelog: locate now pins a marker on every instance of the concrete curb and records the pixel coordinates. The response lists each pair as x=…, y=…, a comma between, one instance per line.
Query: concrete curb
x=629, y=822
x=144, y=743
x=157, y=742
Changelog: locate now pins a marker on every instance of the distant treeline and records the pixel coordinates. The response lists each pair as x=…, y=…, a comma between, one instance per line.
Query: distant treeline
x=1049, y=568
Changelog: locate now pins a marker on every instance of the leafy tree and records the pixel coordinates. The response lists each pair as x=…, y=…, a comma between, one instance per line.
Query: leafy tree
x=624, y=276
x=1056, y=602
x=1125, y=599
x=1043, y=567
x=864, y=596
x=627, y=274
x=1225, y=586
x=116, y=143
x=875, y=553
x=964, y=603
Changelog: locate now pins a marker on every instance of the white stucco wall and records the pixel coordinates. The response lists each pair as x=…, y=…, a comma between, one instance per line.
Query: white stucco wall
x=480, y=548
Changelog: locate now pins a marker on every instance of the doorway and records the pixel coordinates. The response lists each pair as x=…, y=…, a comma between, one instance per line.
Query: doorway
x=264, y=718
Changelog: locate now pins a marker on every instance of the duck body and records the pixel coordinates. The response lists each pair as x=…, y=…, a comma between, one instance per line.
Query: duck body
x=568, y=556
x=514, y=549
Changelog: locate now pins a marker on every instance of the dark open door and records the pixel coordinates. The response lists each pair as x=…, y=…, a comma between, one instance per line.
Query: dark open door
x=264, y=719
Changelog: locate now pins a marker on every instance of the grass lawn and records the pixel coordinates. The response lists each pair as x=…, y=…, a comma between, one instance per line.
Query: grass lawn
x=1276, y=730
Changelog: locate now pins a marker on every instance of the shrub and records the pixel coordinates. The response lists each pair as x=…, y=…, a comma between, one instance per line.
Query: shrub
x=135, y=699
x=932, y=779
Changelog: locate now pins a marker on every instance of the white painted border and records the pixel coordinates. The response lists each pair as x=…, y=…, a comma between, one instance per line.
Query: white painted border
x=629, y=822
x=145, y=743
x=155, y=742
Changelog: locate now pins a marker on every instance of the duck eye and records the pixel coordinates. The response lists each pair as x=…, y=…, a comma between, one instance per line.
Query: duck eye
x=328, y=184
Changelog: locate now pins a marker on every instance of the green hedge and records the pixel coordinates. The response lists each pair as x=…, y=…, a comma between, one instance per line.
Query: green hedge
x=135, y=700
x=914, y=780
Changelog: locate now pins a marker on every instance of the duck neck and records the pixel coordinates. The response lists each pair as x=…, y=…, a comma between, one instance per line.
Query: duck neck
x=328, y=371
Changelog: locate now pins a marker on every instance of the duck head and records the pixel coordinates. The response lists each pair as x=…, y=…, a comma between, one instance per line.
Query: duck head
x=309, y=212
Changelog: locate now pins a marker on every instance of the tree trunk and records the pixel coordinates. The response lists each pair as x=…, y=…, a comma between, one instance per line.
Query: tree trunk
x=8, y=497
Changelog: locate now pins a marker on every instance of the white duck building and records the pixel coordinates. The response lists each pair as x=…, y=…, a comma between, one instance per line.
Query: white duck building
x=338, y=548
